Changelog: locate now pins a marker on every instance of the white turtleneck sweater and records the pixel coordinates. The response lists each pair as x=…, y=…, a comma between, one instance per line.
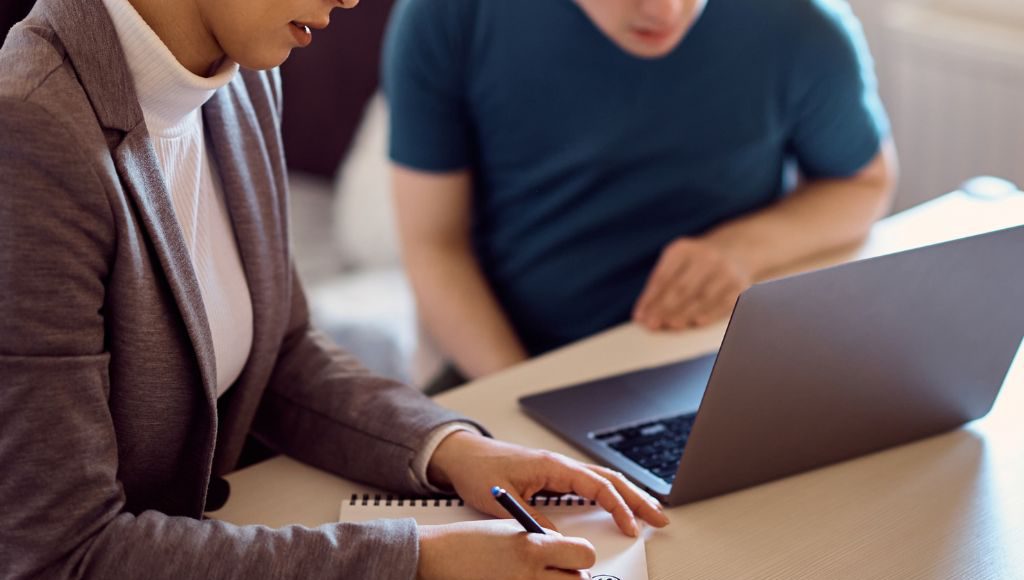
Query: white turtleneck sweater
x=171, y=98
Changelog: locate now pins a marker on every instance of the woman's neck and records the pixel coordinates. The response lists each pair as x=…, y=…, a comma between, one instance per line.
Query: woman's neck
x=180, y=26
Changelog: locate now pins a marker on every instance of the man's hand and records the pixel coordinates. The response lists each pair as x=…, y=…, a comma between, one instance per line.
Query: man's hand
x=696, y=282
x=473, y=464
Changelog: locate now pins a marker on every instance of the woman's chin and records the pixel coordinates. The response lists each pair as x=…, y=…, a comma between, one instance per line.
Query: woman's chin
x=264, y=60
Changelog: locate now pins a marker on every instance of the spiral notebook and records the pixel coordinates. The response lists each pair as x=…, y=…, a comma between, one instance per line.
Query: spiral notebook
x=619, y=557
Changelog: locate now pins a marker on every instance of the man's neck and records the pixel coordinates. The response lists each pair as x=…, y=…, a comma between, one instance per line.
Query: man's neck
x=180, y=26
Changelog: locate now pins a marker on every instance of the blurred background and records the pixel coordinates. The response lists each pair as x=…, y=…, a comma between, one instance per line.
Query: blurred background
x=951, y=74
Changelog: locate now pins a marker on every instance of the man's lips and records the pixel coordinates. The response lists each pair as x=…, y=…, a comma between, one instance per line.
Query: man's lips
x=652, y=34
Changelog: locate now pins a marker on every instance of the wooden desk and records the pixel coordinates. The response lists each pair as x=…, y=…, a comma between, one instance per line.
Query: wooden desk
x=947, y=507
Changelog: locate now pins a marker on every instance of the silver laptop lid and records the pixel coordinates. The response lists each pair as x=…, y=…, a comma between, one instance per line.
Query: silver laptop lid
x=833, y=364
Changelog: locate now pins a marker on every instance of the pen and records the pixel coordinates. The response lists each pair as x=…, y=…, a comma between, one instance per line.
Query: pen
x=516, y=510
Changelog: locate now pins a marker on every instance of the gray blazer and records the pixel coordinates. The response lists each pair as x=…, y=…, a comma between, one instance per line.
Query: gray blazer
x=110, y=430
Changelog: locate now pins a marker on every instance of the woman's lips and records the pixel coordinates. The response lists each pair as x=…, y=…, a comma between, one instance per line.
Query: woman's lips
x=303, y=35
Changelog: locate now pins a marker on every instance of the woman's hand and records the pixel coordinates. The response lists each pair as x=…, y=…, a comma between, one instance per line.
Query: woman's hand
x=473, y=464
x=499, y=550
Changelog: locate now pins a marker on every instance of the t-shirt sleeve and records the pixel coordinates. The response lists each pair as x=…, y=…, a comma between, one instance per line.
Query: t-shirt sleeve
x=424, y=79
x=838, y=121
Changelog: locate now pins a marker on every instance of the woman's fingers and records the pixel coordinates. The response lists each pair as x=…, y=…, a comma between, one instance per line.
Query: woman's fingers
x=572, y=476
x=499, y=550
x=541, y=519
x=565, y=575
x=564, y=553
x=642, y=504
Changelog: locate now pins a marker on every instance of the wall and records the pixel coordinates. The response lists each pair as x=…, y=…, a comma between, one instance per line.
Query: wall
x=954, y=105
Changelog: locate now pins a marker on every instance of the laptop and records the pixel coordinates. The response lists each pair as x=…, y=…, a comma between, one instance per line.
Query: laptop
x=814, y=369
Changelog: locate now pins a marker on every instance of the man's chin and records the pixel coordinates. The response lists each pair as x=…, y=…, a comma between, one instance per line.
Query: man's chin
x=649, y=48
x=645, y=51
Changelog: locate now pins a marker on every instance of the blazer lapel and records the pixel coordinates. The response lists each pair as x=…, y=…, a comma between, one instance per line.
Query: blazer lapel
x=139, y=171
x=252, y=172
x=254, y=195
x=94, y=51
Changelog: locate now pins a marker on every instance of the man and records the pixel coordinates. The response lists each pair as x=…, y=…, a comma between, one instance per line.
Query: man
x=563, y=166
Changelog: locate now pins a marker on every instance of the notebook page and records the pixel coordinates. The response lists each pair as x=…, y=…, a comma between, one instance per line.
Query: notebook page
x=619, y=557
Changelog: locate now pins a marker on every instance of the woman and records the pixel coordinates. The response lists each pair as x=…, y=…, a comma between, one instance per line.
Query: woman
x=152, y=320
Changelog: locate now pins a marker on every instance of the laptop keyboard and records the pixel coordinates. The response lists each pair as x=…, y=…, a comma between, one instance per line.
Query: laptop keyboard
x=657, y=446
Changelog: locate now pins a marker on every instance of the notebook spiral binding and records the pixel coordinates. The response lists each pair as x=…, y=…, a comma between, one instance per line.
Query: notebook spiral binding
x=403, y=501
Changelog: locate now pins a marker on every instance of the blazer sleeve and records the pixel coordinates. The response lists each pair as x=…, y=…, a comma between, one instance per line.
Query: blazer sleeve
x=63, y=507
x=322, y=407
x=325, y=409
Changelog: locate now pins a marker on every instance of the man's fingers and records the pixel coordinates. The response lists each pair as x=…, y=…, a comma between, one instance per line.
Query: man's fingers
x=722, y=309
x=704, y=299
x=693, y=284
x=639, y=501
x=683, y=290
x=718, y=303
x=660, y=281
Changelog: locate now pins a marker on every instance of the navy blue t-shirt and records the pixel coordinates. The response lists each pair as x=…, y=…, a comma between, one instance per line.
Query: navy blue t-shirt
x=587, y=161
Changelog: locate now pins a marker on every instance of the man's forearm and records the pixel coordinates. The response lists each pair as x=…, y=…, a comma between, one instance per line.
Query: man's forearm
x=819, y=216
x=460, y=311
